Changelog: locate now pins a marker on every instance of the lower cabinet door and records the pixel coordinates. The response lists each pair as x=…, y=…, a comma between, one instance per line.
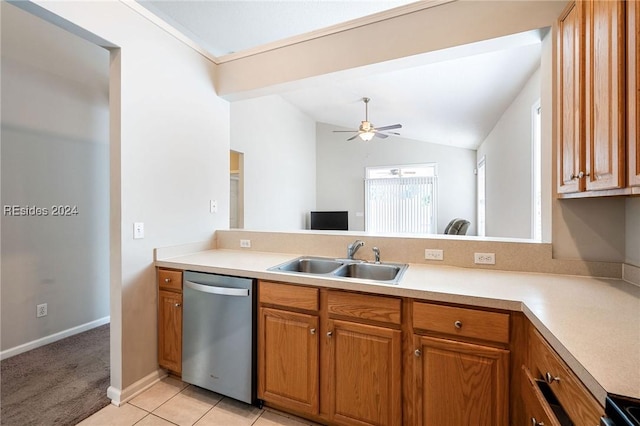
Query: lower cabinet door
x=364, y=374
x=170, y=330
x=460, y=384
x=288, y=360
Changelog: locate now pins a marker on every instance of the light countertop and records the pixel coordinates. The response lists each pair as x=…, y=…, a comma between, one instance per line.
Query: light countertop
x=593, y=323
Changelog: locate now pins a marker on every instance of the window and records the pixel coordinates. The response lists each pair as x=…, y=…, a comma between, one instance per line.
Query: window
x=536, y=189
x=401, y=199
x=482, y=197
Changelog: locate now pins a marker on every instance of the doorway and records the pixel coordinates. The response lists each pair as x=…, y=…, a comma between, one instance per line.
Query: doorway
x=236, y=193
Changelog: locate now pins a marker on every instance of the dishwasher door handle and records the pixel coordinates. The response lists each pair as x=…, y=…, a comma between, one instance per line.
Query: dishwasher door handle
x=225, y=291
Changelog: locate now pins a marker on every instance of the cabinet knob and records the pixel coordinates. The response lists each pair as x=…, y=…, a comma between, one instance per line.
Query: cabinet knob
x=417, y=353
x=167, y=280
x=177, y=305
x=582, y=175
x=535, y=422
x=329, y=333
x=312, y=331
x=549, y=378
x=458, y=324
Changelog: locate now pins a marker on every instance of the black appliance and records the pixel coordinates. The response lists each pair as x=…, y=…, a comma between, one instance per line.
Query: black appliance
x=621, y=411
x=330, y=220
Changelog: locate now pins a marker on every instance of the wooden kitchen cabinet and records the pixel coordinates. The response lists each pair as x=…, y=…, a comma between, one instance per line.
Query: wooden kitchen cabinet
x=170, y=320
x=565, y=388
x=365, y=380
x=363, y=358
x=461, y=366
x=592, y=98
x=633, y=93
x=288, y=352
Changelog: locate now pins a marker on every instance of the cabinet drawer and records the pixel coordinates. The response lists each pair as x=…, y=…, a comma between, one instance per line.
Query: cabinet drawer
x=170, y=279
x=287, y=295
x=536, y=409
x=461, y=322
x=576, y=400
x=364, y=306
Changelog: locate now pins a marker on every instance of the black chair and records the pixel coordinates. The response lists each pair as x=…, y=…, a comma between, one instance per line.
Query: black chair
x=457, y=227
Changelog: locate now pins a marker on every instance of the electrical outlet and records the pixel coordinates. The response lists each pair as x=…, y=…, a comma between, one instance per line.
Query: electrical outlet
x=485, y=258
x=245, y=243
x=433, y=254
x=41, y=310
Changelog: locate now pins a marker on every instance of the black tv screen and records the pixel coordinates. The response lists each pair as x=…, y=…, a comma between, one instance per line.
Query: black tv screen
x=335, y=221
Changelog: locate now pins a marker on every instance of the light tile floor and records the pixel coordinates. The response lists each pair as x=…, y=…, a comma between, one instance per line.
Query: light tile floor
x=173, y=402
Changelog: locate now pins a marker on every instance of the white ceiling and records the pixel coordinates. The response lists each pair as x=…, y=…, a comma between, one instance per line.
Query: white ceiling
x=452, y=97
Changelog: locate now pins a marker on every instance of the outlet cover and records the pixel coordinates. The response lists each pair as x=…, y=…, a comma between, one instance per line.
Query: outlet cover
x=433, y=254
x=245, y=243
x=41, y=310
x=485, y=258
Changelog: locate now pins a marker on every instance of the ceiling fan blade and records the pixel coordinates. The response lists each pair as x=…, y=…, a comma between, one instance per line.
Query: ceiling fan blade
x=393, y=126
x=353, y=137
x=345, y=131
x=381, y=135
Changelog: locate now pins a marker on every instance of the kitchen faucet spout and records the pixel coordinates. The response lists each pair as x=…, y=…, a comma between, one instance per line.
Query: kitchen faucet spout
x=353, y=248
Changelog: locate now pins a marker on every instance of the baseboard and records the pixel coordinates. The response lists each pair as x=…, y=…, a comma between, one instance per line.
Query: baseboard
x=120, y=396
x=52, y=338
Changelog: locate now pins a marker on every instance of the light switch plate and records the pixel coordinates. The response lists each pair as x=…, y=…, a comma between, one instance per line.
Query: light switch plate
x=138, y=230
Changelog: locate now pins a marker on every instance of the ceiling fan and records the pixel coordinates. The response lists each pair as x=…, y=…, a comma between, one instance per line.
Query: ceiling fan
x=367, y=131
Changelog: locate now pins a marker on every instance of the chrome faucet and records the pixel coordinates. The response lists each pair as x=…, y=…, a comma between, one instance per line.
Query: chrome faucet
x=376, y=254
x=353, y=248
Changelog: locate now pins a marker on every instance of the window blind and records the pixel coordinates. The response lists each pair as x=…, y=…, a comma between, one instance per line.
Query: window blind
x=401, y=205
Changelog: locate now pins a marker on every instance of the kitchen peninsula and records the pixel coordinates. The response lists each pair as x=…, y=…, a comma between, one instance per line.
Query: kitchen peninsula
x=591, y=323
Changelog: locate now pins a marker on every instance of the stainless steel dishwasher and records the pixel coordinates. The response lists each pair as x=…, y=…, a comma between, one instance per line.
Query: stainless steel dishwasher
x=218, y=347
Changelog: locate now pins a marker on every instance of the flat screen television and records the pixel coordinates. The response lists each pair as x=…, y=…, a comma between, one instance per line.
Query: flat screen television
x=335, y=221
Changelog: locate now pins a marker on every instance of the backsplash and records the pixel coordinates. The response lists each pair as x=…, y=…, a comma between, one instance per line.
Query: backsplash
x=509, y=255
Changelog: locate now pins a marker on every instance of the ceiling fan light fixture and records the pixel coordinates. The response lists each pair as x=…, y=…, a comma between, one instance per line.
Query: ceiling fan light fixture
x=367, y=136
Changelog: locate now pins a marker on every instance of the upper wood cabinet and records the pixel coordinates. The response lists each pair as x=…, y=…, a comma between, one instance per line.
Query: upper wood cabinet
x=633, y=92
x=592, y=97
x=569, y=76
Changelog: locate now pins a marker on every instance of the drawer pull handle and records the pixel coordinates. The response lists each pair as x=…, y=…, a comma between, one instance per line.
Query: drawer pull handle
x=458, y=324
x=177, y=305
x=417, y=353
x=549, y=378
x=167, y=280
x=329, y=333
x=312, y=331
x=535, y=422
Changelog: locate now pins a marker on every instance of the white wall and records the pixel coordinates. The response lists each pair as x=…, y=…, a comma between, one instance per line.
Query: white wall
x=55, y=151
x=508, y=155
x=169, y=157
x=341, y=171
x=278, y=142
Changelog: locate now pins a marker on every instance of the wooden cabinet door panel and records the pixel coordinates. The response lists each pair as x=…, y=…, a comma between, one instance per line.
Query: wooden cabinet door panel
x=460, y=384
x=570, y=126
x=170, y=330
x=288, y=359
x=364, y=374
x=605, y=94
x=633, y=91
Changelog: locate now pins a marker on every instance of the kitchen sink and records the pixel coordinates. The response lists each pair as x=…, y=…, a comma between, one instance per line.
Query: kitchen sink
x=309, y=265
x=344, y=269
x=369, y=271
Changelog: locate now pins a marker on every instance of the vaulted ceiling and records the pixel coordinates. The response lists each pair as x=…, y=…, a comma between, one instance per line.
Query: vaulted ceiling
x=452, y=97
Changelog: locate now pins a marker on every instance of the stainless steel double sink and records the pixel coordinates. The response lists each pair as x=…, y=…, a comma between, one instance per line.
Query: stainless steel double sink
x=387, y=273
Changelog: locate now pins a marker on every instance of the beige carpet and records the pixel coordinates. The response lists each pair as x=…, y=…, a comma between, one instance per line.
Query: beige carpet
x=58, y=384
